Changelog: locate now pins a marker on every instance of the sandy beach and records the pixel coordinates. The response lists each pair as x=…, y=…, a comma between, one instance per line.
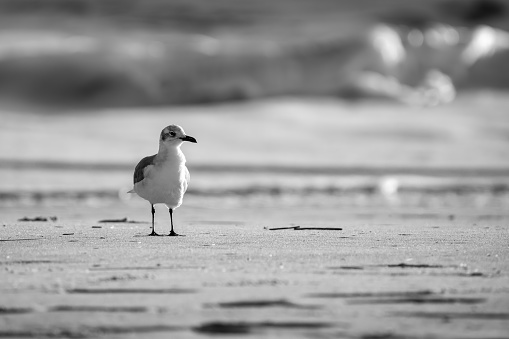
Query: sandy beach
x=389, y=273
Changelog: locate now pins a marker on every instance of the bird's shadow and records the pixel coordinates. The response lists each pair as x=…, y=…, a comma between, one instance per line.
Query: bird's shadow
x=158, y=235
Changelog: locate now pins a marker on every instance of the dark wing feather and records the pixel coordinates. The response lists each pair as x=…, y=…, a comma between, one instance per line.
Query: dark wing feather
x=138, y=171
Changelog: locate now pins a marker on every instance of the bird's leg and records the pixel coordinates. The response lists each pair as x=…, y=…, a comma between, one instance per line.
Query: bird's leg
x=172, y=232
x=153, y=213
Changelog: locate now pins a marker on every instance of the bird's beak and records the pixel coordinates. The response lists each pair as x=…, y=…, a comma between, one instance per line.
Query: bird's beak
x=188, y=138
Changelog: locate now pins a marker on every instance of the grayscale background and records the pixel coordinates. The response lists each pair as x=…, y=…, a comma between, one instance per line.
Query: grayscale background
x=386, y=118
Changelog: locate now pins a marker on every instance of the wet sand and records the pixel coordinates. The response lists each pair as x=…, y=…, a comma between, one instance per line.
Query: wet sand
x=389, y=273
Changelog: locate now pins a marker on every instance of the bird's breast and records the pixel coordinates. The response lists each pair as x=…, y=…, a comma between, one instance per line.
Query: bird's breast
x=169, y=177
x=164, y=184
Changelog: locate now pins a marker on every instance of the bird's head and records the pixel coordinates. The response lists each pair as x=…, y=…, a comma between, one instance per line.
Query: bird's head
x=174, y=135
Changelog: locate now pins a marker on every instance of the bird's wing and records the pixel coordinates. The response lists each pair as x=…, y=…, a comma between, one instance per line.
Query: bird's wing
x=188, y=178
x=139, y=173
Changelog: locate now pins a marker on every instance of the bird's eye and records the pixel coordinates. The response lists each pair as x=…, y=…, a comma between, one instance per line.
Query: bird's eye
x=172, y=134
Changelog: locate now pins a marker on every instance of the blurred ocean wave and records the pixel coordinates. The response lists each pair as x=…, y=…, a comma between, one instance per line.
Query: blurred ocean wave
x=225, y=51
x=425, y=66
x=286, y=186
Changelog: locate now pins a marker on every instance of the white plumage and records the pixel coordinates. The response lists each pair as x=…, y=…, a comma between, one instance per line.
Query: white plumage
x=163, y=178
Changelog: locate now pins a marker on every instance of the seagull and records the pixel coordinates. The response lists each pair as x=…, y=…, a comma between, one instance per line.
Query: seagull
x=162, y=178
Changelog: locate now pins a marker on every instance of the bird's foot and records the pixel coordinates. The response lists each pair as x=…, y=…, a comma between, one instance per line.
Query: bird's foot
x=153, y=234
x=173, y=234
